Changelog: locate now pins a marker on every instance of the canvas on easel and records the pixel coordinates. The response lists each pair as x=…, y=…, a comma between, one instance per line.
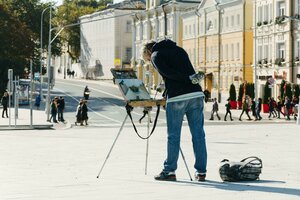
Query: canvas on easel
x=132, y=89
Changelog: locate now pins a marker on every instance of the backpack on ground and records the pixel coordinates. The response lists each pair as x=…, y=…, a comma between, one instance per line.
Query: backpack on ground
x=247, y=169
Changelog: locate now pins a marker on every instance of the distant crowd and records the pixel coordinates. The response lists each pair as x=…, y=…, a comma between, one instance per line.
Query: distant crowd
x=285, y=107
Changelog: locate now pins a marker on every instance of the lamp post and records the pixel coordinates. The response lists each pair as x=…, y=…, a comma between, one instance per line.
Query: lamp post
x=48, y=68
x=254, y=60
x=219, y=9
x=41, y=48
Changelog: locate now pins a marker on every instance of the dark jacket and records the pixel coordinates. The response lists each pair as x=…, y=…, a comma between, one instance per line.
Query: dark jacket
x=173, y=64
x=4, y=101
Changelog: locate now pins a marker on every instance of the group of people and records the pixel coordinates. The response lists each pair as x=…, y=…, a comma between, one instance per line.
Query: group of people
x=82, y=113
x=57, y=109
x=285, y=106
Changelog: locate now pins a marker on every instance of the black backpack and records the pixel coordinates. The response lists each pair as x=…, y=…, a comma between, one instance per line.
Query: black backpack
x=247, y=169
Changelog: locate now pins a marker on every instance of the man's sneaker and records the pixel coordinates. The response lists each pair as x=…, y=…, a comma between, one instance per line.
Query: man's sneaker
x=200, y=176
x=166, y=176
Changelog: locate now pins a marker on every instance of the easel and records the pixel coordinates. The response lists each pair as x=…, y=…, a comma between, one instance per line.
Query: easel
x=145, y=104
x=125, y=78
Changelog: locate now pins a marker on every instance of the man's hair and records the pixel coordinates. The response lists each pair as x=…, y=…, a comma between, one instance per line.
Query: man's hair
x=148, y=46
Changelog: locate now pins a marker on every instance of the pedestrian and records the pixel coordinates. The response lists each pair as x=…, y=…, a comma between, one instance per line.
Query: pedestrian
x=279, y=107
x=294, y=102
x=86, y=93
x=84, y=112
x=271, y=108
x=228, y=107
x=37, y=101
x=258, y=109
x=79, y=113
x=54, y=110
x=60, y=109
x=182, y=98
x=215, y=109
x=287, y=105
x=4, y=102
x=245, y=108
x=253, y=108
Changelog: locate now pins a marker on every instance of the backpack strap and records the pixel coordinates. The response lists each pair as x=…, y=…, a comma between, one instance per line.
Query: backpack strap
x=251, y=159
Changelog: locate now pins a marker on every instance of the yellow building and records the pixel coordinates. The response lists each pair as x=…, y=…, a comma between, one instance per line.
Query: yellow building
x=219, y=38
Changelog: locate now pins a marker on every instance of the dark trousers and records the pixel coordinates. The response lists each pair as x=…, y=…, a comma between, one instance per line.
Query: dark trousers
x=53, y=116
x=4, y=111
x=247, y=113
x=212, y=114
x=279, y=111
x=60, y=114
x=258, y=114
x=228, y=112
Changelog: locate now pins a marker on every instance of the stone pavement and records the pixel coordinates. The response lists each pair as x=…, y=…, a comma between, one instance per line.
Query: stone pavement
x=62, y=163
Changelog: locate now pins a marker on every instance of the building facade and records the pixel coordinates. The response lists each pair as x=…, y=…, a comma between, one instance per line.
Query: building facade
x=219, y=40
x=160, y=20
x=277, y=43
x=106, y=39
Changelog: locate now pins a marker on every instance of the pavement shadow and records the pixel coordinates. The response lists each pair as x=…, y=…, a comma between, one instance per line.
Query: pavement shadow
x=246, y=186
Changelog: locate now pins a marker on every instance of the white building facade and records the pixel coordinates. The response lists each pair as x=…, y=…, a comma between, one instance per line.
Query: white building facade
x=105, y=42
x=276, y=43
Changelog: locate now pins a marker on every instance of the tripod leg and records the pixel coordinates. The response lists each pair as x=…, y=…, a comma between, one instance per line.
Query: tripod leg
x=147, y=145
x=185, y=163
x=120, y=130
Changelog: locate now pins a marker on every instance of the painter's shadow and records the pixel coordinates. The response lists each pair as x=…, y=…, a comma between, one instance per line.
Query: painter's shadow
x=247, y=186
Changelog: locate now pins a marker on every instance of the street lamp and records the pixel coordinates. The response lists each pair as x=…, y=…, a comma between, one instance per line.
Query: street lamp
x=220, y=10
x=254, y=60
x=41, y=47
x=48, y=68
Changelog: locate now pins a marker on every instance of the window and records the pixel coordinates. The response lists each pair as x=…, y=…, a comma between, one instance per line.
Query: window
x=221, y=52
x=266, y=51
x=201, y=27
x=215, y=56
x=281, y=50
x=259, y=14
x=270, y=50
x=238, y=18
x=232, y=52
x=128, y=53
x=128, y=26
x=298, y=6
x=270, y=11
x=190, y=30
x=227, y=22
x=226, y=52
x=232, y=21
x=207, y=54
x=194, y=30
x=209, y=25
x=185, y=30
x=238, y=51
x=259, y=52
x=281, y=7
x=266, y=13
x=211, y=54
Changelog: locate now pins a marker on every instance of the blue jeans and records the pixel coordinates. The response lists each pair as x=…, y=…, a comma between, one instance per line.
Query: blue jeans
x=193, y=108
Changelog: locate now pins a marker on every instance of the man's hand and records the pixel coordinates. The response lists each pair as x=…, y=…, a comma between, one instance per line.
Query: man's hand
x=196, y=78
